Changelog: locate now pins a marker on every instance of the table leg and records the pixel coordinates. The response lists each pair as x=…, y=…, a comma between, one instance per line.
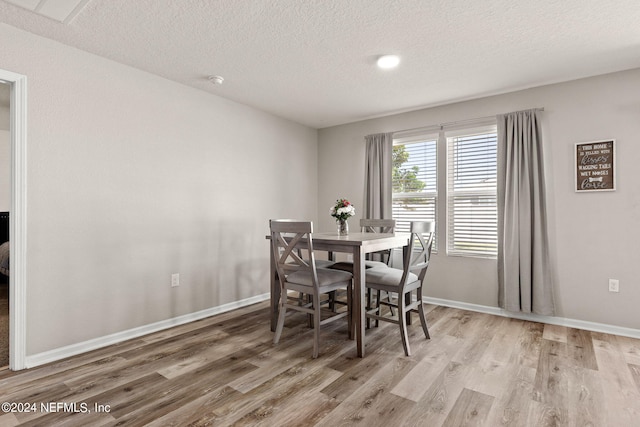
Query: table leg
x=275, y=290
x=407, y=298
x=359, y=290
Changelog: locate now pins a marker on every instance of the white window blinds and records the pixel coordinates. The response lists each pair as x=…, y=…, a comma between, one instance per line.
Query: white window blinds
x=414, y=178
x=472, y=216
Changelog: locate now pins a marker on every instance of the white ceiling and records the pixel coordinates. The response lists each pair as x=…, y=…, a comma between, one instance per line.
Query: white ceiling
x=60, y=10
x=312, y=61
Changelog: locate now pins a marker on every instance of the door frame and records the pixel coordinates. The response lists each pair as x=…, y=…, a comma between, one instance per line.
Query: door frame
x=17, y=221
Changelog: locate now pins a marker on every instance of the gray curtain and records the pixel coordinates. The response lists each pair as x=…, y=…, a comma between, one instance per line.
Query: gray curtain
x=524, y=273
x=377, y=180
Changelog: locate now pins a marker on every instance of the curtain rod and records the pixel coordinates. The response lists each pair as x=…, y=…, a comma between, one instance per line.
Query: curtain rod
x=477, y=119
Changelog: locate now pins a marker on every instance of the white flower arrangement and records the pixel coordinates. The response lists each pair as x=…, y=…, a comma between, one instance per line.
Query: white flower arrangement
x=342, y=210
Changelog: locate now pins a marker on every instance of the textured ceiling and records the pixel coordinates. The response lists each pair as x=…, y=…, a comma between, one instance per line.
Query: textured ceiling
x=312, y=61
x=60, y=10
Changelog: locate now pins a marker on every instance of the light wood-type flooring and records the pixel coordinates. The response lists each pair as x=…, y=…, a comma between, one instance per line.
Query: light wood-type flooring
x=477, y=370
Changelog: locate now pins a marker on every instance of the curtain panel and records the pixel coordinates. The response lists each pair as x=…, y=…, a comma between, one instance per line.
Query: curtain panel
x=377, y=180
x=524, y=273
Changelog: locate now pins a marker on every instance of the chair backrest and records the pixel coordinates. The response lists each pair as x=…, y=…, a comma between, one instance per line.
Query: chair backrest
x=419, y=250
x=289, y=240
x=377, y=225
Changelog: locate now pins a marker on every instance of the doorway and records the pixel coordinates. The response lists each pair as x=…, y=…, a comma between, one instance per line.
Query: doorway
x=17, y=107
x=5, y=206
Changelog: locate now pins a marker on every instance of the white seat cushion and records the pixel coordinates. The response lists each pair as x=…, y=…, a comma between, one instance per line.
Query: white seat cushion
x=387, y=276
x=321, y=263
x=326, y=277
x=375, y=264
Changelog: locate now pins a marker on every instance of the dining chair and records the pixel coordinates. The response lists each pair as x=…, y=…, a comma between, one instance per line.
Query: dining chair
x=321, y=263
x=404, y=282
x=379, y=226
x=301, y=274
x=384, y=258
x=368, y=225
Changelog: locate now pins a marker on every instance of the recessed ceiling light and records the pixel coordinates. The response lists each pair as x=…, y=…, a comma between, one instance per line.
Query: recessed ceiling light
x=388, y=61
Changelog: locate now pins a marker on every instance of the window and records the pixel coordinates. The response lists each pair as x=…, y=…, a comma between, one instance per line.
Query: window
x=467, y=178
x=414, y=178
x=472, y=215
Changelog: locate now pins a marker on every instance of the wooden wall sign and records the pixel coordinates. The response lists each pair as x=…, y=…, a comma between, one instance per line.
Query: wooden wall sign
x=595, y=166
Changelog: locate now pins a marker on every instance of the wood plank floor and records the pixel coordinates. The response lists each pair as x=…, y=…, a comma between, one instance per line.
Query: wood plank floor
x=477, y=370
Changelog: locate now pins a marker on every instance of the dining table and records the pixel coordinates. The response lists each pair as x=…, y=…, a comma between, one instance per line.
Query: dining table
x=358, y=245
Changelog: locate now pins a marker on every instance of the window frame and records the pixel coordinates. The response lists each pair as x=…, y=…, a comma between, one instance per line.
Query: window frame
x=486, y=212
x=430, y=195
x=443, y=190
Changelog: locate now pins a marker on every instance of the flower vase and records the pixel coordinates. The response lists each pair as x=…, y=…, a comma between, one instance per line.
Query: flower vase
x=343, y=227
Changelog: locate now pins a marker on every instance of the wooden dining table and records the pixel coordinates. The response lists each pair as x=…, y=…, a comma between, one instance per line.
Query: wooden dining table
x=358, y=245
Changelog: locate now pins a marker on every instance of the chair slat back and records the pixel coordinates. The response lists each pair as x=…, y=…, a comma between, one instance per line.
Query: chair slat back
x=369, y=225
x=289, y=240
x=419, y=250
x=377, y=225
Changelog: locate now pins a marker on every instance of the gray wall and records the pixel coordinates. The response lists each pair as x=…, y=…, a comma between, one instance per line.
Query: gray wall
x=131, y=178
x=594, y=236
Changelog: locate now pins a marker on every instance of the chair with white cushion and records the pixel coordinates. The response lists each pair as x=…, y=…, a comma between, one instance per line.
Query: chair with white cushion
x=404, y=282
x=368, y=225
x=378, y=226
x=301, y=274
x=320, y=263
x=373, y=260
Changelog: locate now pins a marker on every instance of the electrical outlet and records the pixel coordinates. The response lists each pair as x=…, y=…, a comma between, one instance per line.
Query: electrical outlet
x=614, y=285
x=175, y=280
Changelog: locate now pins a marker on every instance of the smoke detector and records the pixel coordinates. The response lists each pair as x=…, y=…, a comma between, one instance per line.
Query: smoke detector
x=216, y=80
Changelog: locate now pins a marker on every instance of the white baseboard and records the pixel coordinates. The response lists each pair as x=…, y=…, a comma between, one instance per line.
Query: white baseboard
x=96, y=343
x=552, y=320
